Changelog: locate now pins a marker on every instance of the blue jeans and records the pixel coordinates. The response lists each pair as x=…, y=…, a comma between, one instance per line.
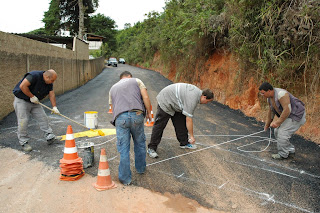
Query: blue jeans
x=130, y=124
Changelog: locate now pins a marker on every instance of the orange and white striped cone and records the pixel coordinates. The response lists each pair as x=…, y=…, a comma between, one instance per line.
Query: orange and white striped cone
x=104, y=181
x=110, y=110
x=70, y=149
x=71, y=164
x=148, y=123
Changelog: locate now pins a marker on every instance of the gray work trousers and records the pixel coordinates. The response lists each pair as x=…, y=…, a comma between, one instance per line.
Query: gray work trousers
x=283, y=134
x=24, y=110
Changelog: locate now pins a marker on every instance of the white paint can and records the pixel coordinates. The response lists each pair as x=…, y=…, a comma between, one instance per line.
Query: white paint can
x=91, y=119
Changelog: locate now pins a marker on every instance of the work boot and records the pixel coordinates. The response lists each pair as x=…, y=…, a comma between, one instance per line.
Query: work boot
x=26, y=147
x=51, y=141
x=50, y=138
x=277, y=157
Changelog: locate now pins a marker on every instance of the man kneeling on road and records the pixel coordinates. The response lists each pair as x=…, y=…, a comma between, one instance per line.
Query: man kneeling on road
x=32, y=88
x=178, y=102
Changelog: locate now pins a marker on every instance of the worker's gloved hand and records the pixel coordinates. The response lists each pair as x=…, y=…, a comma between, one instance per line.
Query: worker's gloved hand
x=34, y=100
x=55, y=110
x=192, y=140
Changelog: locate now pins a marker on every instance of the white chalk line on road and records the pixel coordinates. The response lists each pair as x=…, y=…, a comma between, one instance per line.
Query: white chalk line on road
x=301, y=172
x=269, y=170
x=257, y=167
x=229, y=186
x=199, y=150
x=99, y=137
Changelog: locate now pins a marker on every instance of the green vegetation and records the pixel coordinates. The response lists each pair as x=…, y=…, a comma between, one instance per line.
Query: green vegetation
x=277, y=37
x=104, y=50
x=52, y=18
x=64, y=14
x=40, y=31
x=277, y=40
x=104, y=26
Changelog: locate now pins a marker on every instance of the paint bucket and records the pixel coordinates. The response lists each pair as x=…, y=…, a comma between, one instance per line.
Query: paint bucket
x=91, y=119
x=86, y=152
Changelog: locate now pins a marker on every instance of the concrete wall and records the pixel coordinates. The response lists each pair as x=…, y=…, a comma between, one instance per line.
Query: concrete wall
x=19, y=55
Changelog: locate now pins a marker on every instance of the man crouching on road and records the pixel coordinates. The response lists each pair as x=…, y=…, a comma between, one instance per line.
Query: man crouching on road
x=178, y=102
x=32, y=88
x=291, y=115
x=130, y=100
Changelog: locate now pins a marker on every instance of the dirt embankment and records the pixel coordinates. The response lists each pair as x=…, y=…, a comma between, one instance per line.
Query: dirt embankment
x=239, y=91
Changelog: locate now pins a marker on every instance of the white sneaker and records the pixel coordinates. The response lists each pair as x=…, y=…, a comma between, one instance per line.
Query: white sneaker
x=189, y=146
x=152, y=153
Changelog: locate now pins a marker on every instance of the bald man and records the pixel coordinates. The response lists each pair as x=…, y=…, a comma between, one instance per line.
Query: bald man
x=32, y=88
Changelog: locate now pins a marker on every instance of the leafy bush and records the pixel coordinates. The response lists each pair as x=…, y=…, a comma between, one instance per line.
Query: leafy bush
x=279, y=39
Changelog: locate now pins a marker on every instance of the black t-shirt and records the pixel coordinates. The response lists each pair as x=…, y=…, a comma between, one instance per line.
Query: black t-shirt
x=29, y=78
x=38, y=86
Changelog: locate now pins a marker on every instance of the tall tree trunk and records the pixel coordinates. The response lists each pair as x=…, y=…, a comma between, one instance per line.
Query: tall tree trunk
x=81, y=19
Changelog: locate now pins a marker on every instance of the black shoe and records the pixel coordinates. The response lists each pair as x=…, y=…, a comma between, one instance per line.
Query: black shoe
x=292, y=154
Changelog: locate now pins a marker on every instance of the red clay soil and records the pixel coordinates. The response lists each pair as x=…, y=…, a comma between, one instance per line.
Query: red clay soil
x=221, y=74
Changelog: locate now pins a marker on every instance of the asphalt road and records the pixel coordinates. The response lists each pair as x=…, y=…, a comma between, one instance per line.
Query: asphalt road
x=230, y=171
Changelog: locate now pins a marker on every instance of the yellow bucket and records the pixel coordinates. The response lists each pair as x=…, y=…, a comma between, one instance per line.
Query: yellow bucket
x=91, y=119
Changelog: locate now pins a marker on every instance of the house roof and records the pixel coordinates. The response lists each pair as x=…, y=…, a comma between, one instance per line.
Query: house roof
x=93, y=37
x=49, y=39
x=68, y=40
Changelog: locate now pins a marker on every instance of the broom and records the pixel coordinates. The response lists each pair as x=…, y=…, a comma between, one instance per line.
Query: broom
x=99, y=131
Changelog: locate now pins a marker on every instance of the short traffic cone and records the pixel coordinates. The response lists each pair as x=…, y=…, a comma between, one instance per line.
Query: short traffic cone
x=148, y=123
x=71, y=164
x=110, y=109
x=104, y=181
x=70, y=149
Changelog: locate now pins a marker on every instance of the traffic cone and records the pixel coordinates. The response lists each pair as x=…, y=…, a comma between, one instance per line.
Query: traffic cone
x=110, y=109
x=148, y=123
x=70, y=149
x=104, y=181
x=71, y=164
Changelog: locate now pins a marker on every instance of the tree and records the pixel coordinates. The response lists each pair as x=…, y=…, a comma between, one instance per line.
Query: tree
x=69, y=15
x=40, y=31
x=127, y=25
x=104, y=26
x=52, y=18
x=82, y=10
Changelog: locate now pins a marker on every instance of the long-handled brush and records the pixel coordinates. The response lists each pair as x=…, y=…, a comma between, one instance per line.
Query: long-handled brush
x=99, y=131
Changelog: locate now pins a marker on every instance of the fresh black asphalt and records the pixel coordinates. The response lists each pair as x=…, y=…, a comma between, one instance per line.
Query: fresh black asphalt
x=231, y=172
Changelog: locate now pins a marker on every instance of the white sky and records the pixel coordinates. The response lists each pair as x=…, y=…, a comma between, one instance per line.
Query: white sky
x=21, y=16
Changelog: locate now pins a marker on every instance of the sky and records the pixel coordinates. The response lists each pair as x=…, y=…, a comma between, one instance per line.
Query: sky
x=21, y=16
